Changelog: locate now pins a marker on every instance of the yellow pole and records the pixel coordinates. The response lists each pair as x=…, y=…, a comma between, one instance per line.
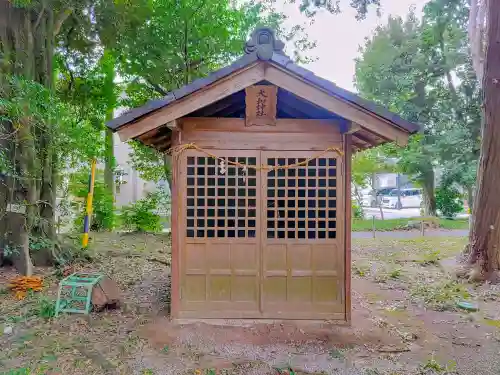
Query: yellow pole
x=88, y=212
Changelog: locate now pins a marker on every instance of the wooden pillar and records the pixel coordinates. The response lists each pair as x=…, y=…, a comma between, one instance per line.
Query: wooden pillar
x=174, y=230
x=347, y=143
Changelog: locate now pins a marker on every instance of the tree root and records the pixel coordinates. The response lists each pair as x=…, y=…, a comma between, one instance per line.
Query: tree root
x=473, y=271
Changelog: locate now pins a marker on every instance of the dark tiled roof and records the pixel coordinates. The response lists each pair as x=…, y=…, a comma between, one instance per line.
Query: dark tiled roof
x=155, y=104
x=344, y=94
x=275, y=56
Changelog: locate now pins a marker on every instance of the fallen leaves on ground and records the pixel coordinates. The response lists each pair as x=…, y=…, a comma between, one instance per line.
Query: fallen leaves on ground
x=22, y=284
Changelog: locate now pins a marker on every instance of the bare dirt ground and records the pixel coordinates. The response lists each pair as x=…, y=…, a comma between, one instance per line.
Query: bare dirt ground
x=405, y=321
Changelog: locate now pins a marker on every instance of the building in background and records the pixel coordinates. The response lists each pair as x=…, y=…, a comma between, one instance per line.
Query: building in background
x=129, y=186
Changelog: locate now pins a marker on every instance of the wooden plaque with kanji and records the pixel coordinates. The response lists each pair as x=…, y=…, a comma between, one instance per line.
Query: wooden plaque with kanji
x=261, y=105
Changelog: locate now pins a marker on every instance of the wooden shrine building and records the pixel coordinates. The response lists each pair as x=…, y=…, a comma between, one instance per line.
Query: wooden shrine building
x=261, y=197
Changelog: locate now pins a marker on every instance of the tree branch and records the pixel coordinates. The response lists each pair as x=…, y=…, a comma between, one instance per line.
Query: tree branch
x=39, y=18
x=477, y=31
x=61, y=17
x=157, y=87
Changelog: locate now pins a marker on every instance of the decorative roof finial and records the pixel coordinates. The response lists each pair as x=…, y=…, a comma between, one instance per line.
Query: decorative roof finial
x=263, y=42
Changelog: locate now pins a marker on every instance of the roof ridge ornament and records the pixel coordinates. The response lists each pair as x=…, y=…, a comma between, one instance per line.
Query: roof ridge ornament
x=263, y=43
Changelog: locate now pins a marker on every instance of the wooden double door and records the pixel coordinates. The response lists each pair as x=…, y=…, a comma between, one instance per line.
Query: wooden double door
x=260, y=243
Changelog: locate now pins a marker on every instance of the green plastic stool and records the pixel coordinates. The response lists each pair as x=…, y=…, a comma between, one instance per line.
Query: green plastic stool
x=75, y=293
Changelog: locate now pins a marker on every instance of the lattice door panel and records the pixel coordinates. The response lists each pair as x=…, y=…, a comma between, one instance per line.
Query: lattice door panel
x=221, y=198
x=302, y=202
x=220, y=258
x=303, y=250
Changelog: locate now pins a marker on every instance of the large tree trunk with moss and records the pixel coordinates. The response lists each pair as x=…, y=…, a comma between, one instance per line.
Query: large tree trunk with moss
x=17, y=50
x=27, y=168
x=484, y=239
x=27, y=49
x=108, y=62
x=44, y=231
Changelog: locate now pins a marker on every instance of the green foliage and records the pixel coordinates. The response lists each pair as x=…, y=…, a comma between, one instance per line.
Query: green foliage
x=357, y=211
x=367, y=163
x=395, y=273
x=37, y=243
x=448, y=201
x=434, y=367
x=19, y=371
x=144, y=215
x=103, y=215
x=408, y=66
x=44, y=308
x=9, y=251
x=389, y=271
x=21, y=98
x=185, y=40
x=310, y=7
x=148, y=162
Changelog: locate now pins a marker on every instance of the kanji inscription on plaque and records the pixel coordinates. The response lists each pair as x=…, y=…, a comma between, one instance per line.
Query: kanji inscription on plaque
x=261, y=105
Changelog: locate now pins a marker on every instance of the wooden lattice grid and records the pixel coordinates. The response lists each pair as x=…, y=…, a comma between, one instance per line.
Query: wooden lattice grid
x=221, y=198
x=302, y=201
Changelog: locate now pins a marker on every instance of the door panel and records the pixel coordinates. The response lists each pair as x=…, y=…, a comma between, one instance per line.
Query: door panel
x=261, y=244
x=302, y=243
x=220, y=256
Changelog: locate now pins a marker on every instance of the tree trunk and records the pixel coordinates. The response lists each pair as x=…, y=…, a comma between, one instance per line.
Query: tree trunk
x=27, y=48
x=27, y=168
x=470, y=197
x=108, y=65
x=429, y=196
x=381, y=211
x=17, y=48
x=109, y=179
x=357, y=194
x=45, y=229
x=484, y=237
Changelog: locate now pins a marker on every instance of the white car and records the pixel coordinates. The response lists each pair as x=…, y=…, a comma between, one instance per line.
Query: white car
x=408, y=198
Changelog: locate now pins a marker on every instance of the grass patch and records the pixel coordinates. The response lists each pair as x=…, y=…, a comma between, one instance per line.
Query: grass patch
x=336, y=354
x=395, y=273
x=386, y=272
x=440, y=296
x=361, y=269
x=430, y=257
x=366, y=225
x=454, y=223
x=419, y=249
x=434, y=367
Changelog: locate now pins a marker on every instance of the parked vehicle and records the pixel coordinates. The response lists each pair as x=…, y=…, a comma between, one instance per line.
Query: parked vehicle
x=373, y=198
x=408, y=198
